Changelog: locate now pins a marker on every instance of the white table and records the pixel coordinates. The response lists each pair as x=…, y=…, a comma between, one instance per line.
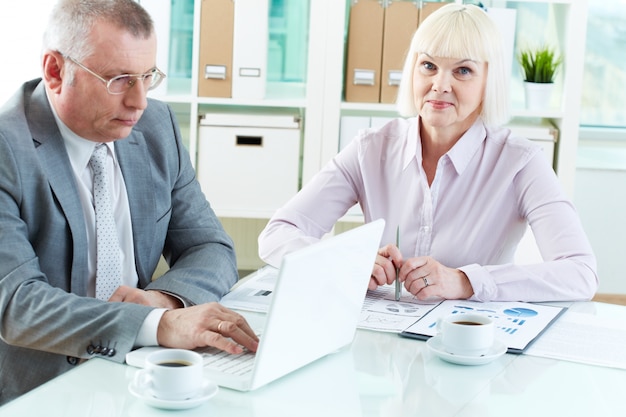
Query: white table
x=380, y=374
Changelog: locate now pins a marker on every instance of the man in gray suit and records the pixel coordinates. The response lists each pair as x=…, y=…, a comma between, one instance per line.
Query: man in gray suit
x=98, y=64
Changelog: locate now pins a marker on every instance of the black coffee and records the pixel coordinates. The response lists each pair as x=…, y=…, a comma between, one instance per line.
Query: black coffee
x=175, y=364
x=468, y=323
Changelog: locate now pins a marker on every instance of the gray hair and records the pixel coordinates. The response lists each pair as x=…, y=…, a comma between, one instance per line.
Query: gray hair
x=71, y=22
x=467, y=32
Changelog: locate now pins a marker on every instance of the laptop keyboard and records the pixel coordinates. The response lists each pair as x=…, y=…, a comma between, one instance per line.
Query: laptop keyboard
x=220, y=361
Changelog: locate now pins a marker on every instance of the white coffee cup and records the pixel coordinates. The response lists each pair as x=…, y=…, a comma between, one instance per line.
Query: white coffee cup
x=171, y=374
x=467, y=334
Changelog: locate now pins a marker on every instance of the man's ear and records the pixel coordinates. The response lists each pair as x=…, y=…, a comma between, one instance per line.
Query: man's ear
x=53, y=70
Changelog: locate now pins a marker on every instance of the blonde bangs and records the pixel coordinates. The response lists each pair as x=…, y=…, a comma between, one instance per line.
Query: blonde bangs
x=460, y=32
x=455, y=37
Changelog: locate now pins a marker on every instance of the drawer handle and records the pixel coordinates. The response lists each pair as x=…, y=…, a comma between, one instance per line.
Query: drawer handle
x=364, y=77
x=217, y=72
x=394, y=77
x=249, y=72
x=250, y=140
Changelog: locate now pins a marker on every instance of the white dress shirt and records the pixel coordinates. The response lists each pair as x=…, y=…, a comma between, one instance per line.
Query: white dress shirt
x=79, y=151
x=487, y=188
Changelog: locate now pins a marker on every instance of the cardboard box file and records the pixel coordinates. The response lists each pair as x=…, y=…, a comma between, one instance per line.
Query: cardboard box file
x=400, y=24
x=427, y=8
x=215, y=76
x=250, y=46
x=365, y=42
x=248, y=164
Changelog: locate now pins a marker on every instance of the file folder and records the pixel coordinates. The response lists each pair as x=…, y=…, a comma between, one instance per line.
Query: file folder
x=216, y=48
x=365, y=44
x=160, y=13
x=401, y=19
x=349, y=127
x=505, y=20
x=250, y=45
x=427, y=8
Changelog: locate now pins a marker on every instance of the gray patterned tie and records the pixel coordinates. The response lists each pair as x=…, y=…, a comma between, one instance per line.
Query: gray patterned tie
x=108, y=266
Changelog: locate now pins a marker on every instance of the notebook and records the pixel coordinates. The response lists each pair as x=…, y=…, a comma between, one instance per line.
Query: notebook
x=314, y=311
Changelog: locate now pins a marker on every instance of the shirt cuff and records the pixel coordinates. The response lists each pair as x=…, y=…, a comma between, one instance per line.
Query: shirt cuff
x=483, y=285
x=147, y=335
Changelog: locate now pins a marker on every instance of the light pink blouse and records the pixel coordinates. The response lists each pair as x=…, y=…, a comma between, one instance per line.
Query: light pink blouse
x=486, y=190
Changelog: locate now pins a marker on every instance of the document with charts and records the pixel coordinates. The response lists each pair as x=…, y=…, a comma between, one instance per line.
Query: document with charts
x=518, y=324
x=380, y=312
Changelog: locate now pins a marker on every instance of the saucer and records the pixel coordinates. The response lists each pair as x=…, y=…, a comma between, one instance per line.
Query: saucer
x=209, y=389
x=498, y=349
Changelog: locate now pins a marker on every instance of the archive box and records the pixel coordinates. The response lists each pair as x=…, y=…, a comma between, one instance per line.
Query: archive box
x=248, y=164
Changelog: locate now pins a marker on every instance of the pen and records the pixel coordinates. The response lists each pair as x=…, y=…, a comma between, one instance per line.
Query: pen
x=398, y=285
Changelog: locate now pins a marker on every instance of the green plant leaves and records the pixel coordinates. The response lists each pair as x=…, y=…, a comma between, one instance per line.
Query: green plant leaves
x=539, y=65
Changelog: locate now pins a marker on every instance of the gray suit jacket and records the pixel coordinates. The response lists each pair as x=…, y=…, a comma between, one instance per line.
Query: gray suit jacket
x=46, y=321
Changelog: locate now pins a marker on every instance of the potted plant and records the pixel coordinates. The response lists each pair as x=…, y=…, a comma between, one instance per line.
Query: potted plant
x=540, y=66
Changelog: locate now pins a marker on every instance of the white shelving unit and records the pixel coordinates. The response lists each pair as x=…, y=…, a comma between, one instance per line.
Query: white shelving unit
x=321, y=105
x=569, y=25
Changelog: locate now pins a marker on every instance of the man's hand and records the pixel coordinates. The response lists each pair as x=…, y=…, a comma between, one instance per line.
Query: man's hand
x=155, y=298
x=205, y=325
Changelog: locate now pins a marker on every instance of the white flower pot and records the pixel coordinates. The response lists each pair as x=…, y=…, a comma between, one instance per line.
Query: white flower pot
x=538, y=95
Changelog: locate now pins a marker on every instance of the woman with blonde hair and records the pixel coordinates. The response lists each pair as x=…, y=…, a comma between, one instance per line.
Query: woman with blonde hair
x=460, y=189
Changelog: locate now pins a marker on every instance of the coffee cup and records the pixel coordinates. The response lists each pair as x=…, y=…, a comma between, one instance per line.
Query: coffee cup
x=467, y=334
x=171, y=374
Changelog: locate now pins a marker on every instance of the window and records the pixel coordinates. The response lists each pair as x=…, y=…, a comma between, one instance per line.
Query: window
x=604, y=78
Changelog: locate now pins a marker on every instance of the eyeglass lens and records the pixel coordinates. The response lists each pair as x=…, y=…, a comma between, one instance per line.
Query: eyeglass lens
x=122, y=83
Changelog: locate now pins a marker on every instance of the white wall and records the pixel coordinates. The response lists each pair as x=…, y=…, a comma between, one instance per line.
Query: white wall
x=600, y=197
x=600, y=187
x=22, y=25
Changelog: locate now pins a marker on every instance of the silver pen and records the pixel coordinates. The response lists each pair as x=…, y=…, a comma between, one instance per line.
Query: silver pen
x=398, y=284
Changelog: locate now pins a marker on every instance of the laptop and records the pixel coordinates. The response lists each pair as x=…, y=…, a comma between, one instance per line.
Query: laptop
x=313, y=312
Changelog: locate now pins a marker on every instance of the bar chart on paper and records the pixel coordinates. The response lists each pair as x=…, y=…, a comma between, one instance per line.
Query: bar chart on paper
x=517, y=323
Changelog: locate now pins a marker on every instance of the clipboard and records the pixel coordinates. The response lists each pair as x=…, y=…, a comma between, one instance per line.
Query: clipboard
x=518, y=324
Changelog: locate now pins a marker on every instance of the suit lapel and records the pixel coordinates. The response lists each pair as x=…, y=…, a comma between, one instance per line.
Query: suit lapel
x=132, y=154
x=56, y=164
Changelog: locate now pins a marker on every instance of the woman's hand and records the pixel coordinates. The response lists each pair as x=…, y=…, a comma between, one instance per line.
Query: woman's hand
x=384, y=272
x=426, y=278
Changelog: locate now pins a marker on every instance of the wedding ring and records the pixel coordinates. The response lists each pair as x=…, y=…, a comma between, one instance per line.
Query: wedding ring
x=426, y=283
x=219, y=327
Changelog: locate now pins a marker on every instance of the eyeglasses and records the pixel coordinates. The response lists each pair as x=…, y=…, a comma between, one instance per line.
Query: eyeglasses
x=122, y=83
